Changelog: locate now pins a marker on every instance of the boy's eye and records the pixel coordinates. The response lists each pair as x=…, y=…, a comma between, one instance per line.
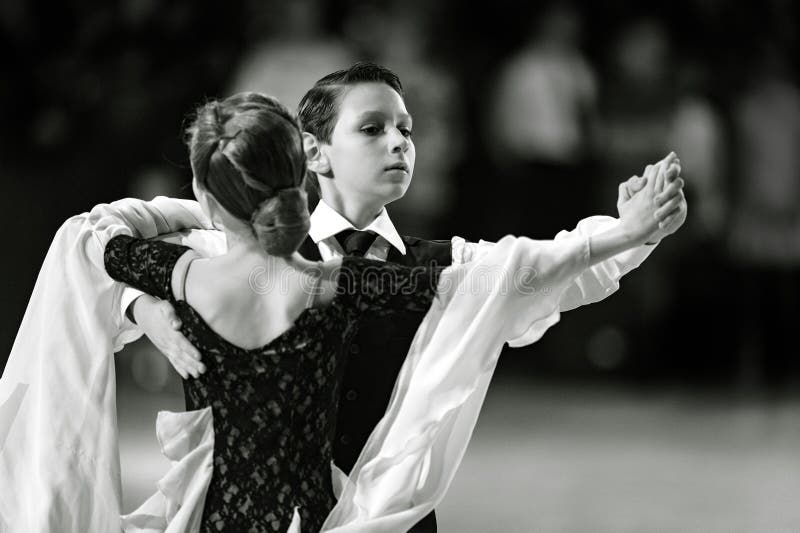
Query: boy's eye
x=370, y=130
x=406, y=132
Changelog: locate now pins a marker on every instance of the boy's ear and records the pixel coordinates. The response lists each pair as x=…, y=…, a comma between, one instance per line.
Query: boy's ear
x=316, y=160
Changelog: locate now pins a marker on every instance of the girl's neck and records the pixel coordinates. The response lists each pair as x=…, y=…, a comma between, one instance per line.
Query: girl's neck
x=246, y=249
x=247, y=253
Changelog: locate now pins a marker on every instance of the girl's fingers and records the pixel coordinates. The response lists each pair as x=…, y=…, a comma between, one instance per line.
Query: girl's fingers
x=660, y=177
x=673, y=172
x=672, y=190
x=624, y=193
x=670, y=157
x=668, y=208
x=670, y=220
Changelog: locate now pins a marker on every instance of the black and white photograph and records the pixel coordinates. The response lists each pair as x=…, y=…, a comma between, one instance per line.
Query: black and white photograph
x=372, y=266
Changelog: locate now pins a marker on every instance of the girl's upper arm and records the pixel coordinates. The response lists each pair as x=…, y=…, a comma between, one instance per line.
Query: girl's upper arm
x=143, y=264
x=180, y=272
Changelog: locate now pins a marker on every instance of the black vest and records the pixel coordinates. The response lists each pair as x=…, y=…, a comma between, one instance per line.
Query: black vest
x=377, y=353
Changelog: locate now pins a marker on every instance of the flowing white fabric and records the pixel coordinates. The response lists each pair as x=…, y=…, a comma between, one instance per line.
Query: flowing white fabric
x=59, y=459
x=414, y=452
x=412, y=455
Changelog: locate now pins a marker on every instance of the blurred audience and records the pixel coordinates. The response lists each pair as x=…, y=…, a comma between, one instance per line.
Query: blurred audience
x=432, y=96
x=562, y=102
x=291, y=50
x=764, y=237
x=538, y=129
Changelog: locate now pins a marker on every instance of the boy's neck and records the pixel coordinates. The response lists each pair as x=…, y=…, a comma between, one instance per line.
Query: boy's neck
x=359, y=214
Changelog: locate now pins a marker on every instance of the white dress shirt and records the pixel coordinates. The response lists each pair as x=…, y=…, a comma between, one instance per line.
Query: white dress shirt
x=326, y=222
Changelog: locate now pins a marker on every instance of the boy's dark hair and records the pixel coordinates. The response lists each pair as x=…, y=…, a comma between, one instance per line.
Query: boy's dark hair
x=319, y=108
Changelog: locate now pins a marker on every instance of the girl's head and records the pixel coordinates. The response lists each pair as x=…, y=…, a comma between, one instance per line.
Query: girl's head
x=248, y=163
x=357, y=134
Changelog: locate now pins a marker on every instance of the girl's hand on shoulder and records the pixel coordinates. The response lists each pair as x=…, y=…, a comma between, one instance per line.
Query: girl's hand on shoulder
x=161, y=325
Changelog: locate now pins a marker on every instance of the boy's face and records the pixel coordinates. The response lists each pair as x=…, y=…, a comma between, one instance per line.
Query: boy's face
x=371, y=153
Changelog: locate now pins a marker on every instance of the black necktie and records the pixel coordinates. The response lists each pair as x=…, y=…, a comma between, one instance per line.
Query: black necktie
x=355, y=242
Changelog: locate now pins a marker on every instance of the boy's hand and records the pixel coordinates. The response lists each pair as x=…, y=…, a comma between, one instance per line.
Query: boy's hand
x=162, y=326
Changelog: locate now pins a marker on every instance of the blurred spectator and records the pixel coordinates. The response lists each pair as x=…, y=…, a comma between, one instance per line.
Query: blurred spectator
x=696, y=133
x=638, y=101
x=541, y=108
x=292, y=51
x=433, y=99
x=694, y=266
x=538, y=128
x=96, y=91
x=637, y=112
x=765, y=223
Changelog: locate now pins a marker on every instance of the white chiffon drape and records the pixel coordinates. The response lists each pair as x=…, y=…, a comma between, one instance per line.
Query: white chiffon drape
x=59, y=463
x=59, y=459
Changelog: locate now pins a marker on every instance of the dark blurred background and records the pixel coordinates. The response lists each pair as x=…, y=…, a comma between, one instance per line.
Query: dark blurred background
x=527, y=116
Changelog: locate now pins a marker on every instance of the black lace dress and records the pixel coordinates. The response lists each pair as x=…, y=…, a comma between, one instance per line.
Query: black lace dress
x=275, y=406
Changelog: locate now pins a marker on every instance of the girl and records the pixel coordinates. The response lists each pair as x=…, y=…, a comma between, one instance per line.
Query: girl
x=270, y=324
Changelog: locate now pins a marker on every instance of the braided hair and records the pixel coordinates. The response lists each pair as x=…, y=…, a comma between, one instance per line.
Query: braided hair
x=247, y=151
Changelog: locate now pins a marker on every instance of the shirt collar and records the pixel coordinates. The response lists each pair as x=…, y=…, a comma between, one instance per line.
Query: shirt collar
x=327, y=222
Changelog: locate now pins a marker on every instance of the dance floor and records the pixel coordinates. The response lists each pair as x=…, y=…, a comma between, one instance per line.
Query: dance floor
x=568, y=458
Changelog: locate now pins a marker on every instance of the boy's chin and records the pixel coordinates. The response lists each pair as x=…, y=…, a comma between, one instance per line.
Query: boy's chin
x=393, y=191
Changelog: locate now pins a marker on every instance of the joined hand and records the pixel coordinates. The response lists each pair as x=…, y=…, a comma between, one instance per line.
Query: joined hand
x=668, y=198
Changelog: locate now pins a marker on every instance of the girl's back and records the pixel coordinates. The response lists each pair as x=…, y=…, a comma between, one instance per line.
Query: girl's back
x=250, y=301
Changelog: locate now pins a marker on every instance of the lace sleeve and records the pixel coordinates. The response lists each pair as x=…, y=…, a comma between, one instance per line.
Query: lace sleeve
x=382, y=288
x=144, y=264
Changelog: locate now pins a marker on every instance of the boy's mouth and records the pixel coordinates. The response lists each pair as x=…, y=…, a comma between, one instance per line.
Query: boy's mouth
x=398, y=166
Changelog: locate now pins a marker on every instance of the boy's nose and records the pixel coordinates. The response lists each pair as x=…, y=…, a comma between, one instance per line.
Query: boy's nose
x=398, y=142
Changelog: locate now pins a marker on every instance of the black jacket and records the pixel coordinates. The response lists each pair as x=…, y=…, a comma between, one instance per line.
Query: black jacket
x=377, y=353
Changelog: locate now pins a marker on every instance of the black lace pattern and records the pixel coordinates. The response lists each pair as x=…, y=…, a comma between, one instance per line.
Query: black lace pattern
x=275, y=406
